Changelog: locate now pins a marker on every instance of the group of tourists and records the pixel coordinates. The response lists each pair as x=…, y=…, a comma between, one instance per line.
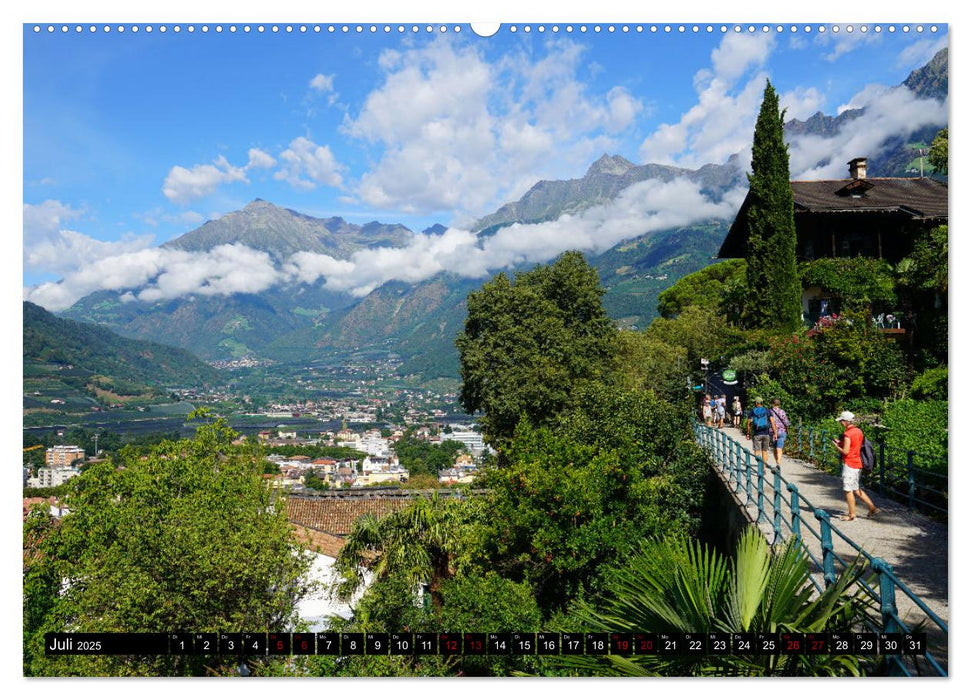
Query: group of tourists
x=714, y=412
x=768, y=428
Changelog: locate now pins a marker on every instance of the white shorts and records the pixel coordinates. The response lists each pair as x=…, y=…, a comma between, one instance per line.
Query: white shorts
x=851, y=478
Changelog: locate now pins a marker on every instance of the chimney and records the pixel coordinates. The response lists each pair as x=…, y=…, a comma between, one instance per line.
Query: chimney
x=858, y=168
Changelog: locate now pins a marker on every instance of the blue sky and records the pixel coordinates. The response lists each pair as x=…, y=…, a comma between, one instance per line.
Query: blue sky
x=133, y=138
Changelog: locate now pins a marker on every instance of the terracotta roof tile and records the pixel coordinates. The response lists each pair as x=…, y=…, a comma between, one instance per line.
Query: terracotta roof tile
x=325, y=543
x=336, y=516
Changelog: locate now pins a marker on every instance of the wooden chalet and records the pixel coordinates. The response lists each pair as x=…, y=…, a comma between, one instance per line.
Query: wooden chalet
x=872, y=217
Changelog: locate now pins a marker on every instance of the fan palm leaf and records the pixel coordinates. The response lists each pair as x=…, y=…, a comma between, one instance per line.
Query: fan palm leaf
x=675, y=584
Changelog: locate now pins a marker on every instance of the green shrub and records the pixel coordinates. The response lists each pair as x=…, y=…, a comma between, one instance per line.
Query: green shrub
x=918, y=425
x=854, y=281
x=931, y=384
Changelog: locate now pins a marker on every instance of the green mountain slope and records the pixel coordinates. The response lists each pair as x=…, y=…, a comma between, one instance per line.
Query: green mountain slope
x=72, y=367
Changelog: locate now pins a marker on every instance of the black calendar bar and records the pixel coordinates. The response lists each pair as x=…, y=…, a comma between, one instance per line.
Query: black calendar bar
x=486, y=643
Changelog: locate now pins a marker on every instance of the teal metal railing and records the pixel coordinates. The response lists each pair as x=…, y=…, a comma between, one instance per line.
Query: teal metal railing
x=778, y=504
x=913, y=478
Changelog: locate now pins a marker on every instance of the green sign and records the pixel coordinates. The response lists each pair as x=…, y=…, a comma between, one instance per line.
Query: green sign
x=728, y=375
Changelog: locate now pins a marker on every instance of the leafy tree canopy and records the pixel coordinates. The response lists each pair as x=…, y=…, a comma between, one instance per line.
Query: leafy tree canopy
x=938, y=152
x=185, y=539
x=422, y=457
x=527, y=342
x=646, y=362
x=925, y=269
x=715, y=287
x=702, y=332
x=619, y=466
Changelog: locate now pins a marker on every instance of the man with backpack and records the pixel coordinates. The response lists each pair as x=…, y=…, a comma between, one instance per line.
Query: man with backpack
x=759, y=429
x=851, y=447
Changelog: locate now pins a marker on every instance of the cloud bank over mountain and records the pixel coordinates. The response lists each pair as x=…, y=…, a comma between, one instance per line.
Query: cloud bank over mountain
x=153, y=274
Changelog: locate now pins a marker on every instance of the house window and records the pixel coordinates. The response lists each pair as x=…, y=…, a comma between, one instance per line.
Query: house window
x=857, y=243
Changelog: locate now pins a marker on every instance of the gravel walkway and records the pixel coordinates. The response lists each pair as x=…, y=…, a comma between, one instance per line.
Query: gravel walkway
x=915, y=545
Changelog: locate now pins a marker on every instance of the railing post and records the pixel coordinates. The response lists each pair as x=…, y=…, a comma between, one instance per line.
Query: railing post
x=738, y=467
x=826, y=543
x=812, y=445
x=911, y=484
x=748, y=477
x=888, y=595
x=799, y=434
x=777, y=504
x=888, y=611
x=794, y=510
x=761, y=487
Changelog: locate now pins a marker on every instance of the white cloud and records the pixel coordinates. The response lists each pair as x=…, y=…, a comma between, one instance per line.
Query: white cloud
x=162, y=273
x=45, y=220
x=322, y=83
x=842, y=42
x=920, y=53
x=51, y=248
x=70, y=250
x=721, y=123
x=642, y=208
x=182, y=185
x=165, y=273
x=737, y=53
x=259, y=159
x=474, y=132
x=307, y=165
x=801, y=103
x=889, y=112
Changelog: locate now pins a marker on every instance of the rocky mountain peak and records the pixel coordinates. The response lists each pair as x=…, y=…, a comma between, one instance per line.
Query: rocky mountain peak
x=609, y=165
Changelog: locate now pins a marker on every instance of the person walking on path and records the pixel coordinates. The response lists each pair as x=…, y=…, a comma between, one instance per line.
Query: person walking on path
x=759, y=429
x=849, y=447
x=780, y=429
x=720, y=411
x=736, y=412
x=706, y=410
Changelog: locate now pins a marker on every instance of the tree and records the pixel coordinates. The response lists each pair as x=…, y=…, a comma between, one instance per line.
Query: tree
x=711, y=288
x=774, y=292
x=618, y=467
x=700, y=331
x=938, y=152
x=645, y=362
x=679, y=584
x=187, y=538
x=527, y=342
x=415, y=543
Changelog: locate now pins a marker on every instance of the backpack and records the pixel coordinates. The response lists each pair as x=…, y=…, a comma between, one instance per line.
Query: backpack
x=868, y=455
x=760, y=419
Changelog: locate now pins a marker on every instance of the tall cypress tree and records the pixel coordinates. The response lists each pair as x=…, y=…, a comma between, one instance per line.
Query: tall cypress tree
x=774, y=290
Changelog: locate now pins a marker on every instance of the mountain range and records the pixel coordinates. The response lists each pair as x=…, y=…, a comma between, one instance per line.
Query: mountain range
x=292, y=322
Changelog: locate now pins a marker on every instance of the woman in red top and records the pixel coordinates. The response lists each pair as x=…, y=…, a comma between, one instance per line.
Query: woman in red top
x=849, y=448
